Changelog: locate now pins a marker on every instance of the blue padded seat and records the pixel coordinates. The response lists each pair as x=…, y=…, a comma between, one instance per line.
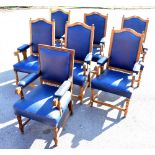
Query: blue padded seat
x=114, y=82
x=96, y=54
x=39, y=107
x=28, y=65
x=78, y=77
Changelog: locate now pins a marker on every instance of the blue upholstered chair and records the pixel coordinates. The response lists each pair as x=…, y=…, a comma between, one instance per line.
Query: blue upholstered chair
x=79, y=36
x=139, y=25
x=49, y=101
x=60, y=17
x=122, y=67
x=41, y=32
x=100, y=24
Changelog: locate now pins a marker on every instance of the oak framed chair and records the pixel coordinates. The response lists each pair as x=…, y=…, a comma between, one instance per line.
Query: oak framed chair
x=122, y=66
x=41, y=32
x=79, y=36
x=48, y=102
x=138, y=24
x=60, y=17
x=100, y=23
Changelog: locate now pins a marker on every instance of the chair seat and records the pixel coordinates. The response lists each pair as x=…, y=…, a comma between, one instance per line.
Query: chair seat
x=113, y=82
x=96, y=54
x=29, y=65
x=37, y=105
x=78, y=77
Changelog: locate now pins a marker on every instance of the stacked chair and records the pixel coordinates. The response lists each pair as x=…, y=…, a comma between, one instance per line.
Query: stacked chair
x=61, y=68
x=41, y=32
x=60, y=17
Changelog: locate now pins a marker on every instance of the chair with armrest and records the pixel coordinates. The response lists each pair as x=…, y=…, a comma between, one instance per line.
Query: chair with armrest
x=60, y=17
x=100, y=24
x=49, y=101
x=79, y=36
x=122, y=67
x=41, y=32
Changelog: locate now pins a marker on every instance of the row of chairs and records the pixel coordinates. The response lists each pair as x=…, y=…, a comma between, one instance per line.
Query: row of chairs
x=61, y=67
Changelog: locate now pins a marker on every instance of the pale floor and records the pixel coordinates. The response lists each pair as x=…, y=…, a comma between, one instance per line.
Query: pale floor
x=89, y=128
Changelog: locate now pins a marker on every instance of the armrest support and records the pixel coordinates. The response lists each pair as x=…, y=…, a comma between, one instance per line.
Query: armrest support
x=88, y=58
x=102, y=61
x=23, y=47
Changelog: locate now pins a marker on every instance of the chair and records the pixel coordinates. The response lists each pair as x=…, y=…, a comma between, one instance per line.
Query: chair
x=41, y=32
x=79, y=36
x=100, y=23
x=122, y=65
x=139, y=25
x=48, y=102
x=60, y=17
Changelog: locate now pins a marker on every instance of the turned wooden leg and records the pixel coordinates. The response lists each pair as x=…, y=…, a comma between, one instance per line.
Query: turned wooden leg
x=139, y=78
x=17, y=78
x=81, y=94
x=55, y=135
x=21, y=127
x=70, y=107
x=126, y=107
x=92, y=96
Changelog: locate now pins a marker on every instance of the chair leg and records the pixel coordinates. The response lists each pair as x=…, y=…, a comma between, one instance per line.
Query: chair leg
x=126, y=107
x=21, y=127
x=143, y=56
x=55, y=135
x=81, y=94
x=17, y=78
x=139, y=78
x=89, y=80
x=92, y=96
x=70, y=107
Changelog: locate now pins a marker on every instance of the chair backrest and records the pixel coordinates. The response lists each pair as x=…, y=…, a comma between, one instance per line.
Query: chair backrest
x=60, y=17
x=41, y=32
x=56, y=64
x=100, y=23
x=124, y=50
x=136, y=23
x=79, y=36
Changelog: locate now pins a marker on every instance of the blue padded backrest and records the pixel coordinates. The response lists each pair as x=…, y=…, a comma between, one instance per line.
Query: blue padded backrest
x=78, y=38
x=60, y=19
x=99, y=23
x=41, y=34
x=54, y=65
x=135, y=24
x=124, y=50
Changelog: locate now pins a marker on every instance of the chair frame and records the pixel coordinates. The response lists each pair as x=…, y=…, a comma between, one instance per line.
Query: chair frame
x=55, y=130
x=82, y=89
x=24, y=53
x=105, y=28
x=127, y=100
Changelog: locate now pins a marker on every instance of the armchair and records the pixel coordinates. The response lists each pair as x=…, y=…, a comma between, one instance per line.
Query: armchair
x=122, y=65
x=79, y=36
x=41, y=32
x=48, y=102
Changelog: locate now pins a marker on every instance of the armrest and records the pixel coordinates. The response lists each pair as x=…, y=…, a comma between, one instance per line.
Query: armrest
x=102, y=41
x=88, y=58
x=145, y=49
x=102, y=61
x=23, y=47
x=137, y=67
x=62, y=89
x=28, y=79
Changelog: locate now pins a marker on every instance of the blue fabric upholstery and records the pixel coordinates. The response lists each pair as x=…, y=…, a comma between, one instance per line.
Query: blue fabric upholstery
x=135, y=24
x=113, y=82
x=28, y=65
x=23, y=47
x=96, y=54
x=125, y=46
x=28, y=79
x=78, y=38
x=55, y=66
x=78, y=77
x=41, y=34
x=99, y=23
x=60, y=19
x=37, y=105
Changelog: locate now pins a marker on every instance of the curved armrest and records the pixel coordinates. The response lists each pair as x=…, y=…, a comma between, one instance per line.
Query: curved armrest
x=102, y=61
x=28, y=79
x=62, y=89
x=88, y=58
x=23, y=47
